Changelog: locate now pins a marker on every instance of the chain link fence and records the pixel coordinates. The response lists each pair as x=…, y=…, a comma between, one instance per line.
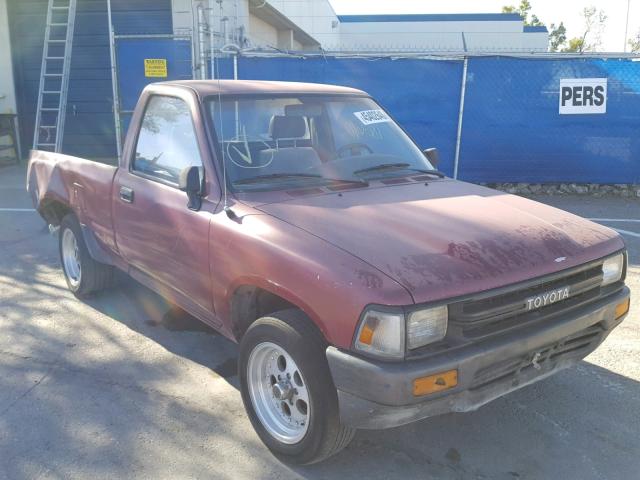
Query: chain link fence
x=494, y=118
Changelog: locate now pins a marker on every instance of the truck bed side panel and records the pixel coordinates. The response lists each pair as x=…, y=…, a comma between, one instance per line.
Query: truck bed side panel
x=83, y=185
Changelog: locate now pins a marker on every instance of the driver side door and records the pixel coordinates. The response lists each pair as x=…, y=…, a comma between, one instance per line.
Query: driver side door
x=164, y=243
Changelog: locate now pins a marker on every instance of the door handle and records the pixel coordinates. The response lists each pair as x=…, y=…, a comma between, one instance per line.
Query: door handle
x=126, y=194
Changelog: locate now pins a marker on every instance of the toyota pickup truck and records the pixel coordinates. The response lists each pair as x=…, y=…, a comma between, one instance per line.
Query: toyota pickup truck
x=365, y=288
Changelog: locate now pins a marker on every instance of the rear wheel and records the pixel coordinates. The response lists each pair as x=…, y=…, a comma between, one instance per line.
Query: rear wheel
x=287, y=389
x=83, y=274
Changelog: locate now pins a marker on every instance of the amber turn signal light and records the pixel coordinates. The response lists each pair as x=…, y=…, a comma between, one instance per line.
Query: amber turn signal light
x=622, y=308
x=435, y=383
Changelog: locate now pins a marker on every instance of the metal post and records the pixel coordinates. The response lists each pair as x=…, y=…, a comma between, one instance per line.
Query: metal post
x=463, y=90
x=16, y=123
x=626, y=26
x=212, y=45
x=114, y=84
x=235, y=66
x=235, y=77
x=202, y=51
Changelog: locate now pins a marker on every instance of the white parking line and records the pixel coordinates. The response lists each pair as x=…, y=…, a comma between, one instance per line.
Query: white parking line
x=17, y=209
x=627, y=232
x=624, y=220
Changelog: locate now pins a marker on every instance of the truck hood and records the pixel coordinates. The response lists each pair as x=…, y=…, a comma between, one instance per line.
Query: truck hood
x=448, y=238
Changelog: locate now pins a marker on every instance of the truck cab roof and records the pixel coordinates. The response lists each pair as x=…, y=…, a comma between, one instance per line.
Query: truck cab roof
x=258, y=87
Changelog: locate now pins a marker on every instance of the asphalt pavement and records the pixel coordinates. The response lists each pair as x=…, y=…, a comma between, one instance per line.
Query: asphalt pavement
x=118, y=387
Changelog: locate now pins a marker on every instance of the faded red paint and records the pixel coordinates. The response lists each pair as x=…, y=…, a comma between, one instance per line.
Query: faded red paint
x=329, y=253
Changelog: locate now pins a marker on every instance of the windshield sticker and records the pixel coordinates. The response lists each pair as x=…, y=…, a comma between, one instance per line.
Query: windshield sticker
x=372, y=116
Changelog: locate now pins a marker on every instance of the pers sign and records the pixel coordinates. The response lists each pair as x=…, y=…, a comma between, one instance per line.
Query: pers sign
x=583, y=95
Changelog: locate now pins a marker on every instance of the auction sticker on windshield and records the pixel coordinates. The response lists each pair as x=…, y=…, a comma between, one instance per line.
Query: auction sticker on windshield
x=372, y=116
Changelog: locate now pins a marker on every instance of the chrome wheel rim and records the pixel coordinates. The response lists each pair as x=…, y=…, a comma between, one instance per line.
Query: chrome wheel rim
x=71, y=257
x=278, y=393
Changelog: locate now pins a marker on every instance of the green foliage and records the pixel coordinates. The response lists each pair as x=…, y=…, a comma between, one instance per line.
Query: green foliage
x=591, y=39
x=557, y=37
x=575, y=45
x=634, y=43
x=523, y=10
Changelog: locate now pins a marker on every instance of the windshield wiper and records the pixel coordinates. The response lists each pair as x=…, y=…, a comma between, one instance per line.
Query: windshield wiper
x=404, y=166
x=277, y=176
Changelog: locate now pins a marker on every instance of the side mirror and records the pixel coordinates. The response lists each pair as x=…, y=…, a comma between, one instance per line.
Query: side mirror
x=191, y=183
x=432, y=155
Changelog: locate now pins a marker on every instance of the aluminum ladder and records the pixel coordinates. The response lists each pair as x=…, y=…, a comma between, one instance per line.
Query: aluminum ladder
x=54, y=75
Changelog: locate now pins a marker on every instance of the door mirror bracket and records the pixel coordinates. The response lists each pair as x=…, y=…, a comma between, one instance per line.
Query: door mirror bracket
x=191, y=182
x=432, y=155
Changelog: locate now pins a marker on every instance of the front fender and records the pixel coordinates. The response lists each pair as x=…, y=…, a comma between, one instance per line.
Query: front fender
x=329, y=284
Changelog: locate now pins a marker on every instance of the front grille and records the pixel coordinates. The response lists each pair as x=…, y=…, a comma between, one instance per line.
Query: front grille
x=493, y=312
x=544, y=359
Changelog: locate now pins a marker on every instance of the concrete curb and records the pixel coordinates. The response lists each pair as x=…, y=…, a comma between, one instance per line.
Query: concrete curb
x=627, y=190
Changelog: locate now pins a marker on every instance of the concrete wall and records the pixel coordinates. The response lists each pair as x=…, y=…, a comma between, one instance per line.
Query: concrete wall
x=7, y=85
x=316, y=17
x=261, y=33
x=440, y=35
x=182, y=16
x=387, y=33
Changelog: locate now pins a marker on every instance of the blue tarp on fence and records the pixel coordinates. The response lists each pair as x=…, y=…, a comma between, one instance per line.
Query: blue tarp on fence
x=130, y=56
x=512, y=130
x=420, y=95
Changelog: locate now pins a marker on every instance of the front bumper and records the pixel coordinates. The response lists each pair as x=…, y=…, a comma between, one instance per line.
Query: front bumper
x=375, y=395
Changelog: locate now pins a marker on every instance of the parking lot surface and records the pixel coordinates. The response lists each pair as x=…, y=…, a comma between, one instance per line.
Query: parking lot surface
x=116, y=387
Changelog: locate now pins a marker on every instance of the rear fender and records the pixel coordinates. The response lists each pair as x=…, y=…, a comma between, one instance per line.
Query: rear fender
x=97, y=252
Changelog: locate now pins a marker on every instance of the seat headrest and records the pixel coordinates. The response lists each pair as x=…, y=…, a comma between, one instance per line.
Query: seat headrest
x=282, y=126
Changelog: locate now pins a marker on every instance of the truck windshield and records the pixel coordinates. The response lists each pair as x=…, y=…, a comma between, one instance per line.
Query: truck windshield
x=277, y=143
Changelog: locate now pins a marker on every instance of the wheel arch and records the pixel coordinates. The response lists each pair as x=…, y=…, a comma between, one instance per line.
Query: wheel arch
x=54, y=210
x=251, y=301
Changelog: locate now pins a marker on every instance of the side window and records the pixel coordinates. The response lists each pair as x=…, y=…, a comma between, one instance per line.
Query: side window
x=167, y=141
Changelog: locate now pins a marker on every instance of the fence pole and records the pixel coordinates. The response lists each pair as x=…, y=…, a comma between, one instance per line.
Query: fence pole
x=202, y=55
x=235, y=77
x=114, y=84
x=235, y=66
x=463, y=90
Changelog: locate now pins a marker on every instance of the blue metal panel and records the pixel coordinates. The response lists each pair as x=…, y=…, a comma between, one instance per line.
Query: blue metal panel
x=130, y=55
x=422, y=95
x=141, y=16
x=89, y=129
x=434, y=17
x=536, y=28
x=512, y=130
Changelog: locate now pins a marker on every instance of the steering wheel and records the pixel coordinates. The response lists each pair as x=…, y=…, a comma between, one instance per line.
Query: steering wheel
x=353, y=148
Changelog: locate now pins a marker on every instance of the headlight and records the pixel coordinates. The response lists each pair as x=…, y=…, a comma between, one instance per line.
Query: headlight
x=381, y=333
x=612, y=269
x=426, y=326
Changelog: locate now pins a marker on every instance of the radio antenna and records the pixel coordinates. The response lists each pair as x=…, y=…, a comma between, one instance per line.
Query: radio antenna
x=216, y=69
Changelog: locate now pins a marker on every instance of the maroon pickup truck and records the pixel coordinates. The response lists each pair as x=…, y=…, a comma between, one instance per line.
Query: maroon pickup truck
x=365, y=288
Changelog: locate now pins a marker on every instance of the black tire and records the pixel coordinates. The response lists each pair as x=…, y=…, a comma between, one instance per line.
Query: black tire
x=94, y=276
x=293, y=331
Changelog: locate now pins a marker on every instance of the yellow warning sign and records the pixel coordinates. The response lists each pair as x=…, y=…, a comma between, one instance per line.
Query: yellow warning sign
x=155, y=67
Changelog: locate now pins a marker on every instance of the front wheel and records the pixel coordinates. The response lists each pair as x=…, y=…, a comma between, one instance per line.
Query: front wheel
x=287, y=389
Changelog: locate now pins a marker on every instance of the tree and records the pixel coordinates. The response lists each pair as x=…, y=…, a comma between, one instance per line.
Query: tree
x=523, y=10
x=557, y=37
x=576, y=44
x=591, y=39
x=634, y=43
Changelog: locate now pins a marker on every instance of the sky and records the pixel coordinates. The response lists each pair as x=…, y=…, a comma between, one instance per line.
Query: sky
x=549, y=11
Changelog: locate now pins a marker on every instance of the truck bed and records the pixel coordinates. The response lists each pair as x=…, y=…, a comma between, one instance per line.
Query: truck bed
x=56, y=181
